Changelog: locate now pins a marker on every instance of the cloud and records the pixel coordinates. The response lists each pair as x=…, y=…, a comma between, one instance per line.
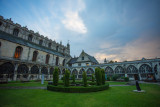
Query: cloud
x=74, y=23
x=72, y=20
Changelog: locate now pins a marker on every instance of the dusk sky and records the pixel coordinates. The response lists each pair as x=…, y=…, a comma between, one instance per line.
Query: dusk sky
x=113, y=29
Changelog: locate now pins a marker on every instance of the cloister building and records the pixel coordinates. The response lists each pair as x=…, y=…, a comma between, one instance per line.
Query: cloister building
x=25, y=54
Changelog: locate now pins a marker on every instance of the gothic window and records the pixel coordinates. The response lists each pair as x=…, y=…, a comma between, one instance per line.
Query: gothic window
x=49, y=45
x=15, y=32
x=7, y=68
x=132, y=69
x=109, y=71
x=30, y=38
x=41, y=42
x=34, y=70
x=0, y=23
x=35, y=54
x=82, y=57
x=57, y=48
x=90, y=71
x=18, y=52
x=75, y=72
x=155, y=68
x=47, y=58
x=51, y=70
x=119, y=70
x=44, y=70
x=81, y=71
x=79, y=64
x=22, y=69
x=63, y=62
x=57, y=60
x=145, y=69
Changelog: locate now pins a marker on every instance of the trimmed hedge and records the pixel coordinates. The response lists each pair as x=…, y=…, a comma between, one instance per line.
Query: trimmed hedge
x=77, y=89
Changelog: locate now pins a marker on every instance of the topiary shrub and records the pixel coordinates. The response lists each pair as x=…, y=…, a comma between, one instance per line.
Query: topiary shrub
x=98, y=76
x=73, y=78
x=93, y=78
x=103, y=76
x=84, y=79
x=55, y=76
x=66, y=82
x=75, y=89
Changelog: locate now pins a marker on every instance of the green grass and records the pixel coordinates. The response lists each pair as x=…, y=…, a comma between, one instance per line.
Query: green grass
x=114, y=96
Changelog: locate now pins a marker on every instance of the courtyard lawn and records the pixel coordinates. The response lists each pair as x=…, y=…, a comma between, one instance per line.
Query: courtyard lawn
x=114, y=96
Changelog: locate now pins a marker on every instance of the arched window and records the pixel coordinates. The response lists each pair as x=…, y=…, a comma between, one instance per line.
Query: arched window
x=109, y=71
x=49, y=45
x=7, y=68
x=81, y=71
x=44, y=70
x=75, y=72
x=57, y=48
x=40, y=42
x=57, y=60
x=90, y=71
x=0, y=23
x=30, y=37
x=22, y=69
x=64, y=62
x=47, y=58
x=15, y=32
x=18, y=52
x=132, y=69
x=35, y=54
x=119, y=70
x=144, y=68
x=34, y=70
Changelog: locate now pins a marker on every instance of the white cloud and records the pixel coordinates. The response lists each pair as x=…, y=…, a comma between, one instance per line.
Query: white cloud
x=72, y=20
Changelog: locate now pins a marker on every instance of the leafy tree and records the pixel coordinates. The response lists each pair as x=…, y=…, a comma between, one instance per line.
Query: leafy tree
x=84, y=79
x=93, y=78
x=67, y=75
x=55, y=76
x=103, y=76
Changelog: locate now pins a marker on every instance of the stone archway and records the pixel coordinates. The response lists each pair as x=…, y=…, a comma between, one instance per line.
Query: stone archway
x=22, y=71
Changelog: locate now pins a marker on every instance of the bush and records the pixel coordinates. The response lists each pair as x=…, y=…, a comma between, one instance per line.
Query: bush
x=115, y=77
x=103, y=76
x=126, y=79
x=108, y=78
x=79, y=89
x=93, y=78
x=98, y=75
x=73, y=78
x=55, y=76
x=84, y=79
x=66, y=78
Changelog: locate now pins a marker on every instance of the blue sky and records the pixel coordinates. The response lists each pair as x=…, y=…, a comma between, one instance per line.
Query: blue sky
x=113, y=29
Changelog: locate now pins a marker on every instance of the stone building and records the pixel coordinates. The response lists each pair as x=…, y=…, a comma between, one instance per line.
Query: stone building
x=25, y=54
x=145, y=69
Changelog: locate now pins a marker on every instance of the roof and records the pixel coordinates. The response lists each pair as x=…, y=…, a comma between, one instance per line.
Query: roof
x=18, y=40
x=92, y=59
x=72, y=60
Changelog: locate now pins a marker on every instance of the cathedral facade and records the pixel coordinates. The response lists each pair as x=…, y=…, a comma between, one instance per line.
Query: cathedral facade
x=26, y=55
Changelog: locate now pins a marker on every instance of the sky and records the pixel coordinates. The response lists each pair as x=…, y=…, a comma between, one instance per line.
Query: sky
x=117, y=30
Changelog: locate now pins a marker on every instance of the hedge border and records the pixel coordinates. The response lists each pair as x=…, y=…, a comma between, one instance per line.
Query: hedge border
x=77, y=89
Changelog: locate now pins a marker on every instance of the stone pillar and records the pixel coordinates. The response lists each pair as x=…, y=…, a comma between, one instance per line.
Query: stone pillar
x=29, y=73
x=48, y=74
x=158, y=71
x=15, y=72
x=39, y=75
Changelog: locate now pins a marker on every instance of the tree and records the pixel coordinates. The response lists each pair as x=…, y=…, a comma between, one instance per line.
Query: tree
x=93, y=78
x=67, y=75
x=98, y=76
x=73, y=78
x=55, y=76
x=103, y=76
x=84, y=79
